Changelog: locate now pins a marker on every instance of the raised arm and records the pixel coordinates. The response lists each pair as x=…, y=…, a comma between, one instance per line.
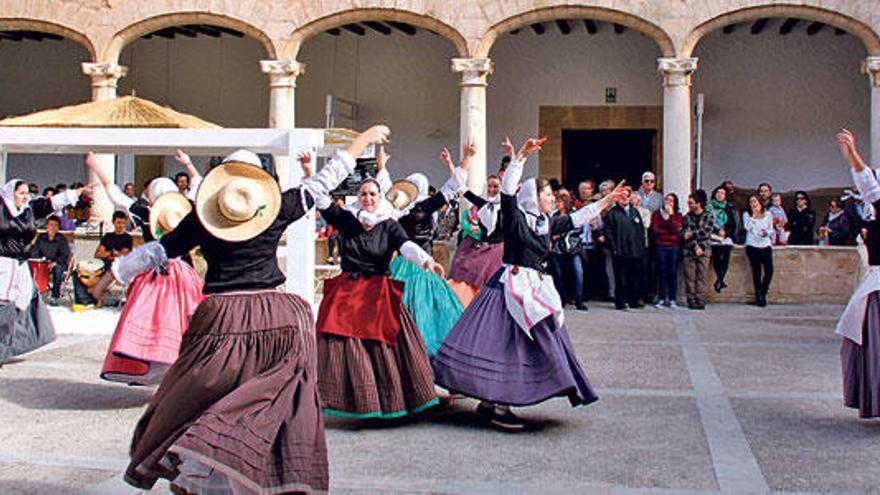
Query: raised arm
x=383, y=177
x=117, y=197
x=195, y=178
x=863, y=176
x=513, y=175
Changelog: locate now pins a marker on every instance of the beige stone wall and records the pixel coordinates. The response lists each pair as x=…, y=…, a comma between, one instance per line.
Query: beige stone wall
x=801, y=275
x=104, y=27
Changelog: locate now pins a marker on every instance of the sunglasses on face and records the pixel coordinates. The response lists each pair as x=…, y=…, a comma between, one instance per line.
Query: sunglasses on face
x=648, y=180
x=799, y=198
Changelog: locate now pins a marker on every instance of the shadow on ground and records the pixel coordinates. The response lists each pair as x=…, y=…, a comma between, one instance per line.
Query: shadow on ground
x=54, y=393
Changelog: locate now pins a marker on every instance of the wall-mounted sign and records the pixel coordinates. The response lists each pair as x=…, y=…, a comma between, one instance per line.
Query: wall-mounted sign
x=610, y=95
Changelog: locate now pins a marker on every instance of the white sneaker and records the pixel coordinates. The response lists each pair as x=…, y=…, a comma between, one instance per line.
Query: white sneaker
x=658, y=304
x=673, y=305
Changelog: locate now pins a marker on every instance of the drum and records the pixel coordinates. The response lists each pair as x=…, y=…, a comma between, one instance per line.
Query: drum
x=89, y=271
x=41, y=273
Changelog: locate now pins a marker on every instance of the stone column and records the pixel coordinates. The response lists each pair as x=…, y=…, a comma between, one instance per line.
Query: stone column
x=872, y=67
x=677, y=143
x=474, y=72
x=104, y=80
x=282, y=85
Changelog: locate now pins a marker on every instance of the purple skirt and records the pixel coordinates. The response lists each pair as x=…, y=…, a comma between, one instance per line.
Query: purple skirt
x=476, y=262
x=488, y=357
x=861, y=364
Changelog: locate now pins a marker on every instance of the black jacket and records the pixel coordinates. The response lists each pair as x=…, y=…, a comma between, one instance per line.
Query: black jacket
x=624, y=232
x=801, y=224
x=419, y=222
x=16, y=233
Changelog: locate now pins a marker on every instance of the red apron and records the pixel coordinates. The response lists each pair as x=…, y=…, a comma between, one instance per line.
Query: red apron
x=361, y=307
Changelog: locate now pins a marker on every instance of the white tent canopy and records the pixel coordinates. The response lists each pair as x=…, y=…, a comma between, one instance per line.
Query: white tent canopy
x=197, y=142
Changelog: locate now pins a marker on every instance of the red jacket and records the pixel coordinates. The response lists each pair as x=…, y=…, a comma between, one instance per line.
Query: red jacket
x=666, y=232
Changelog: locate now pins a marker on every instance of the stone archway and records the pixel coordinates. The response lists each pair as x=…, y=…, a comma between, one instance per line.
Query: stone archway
x=866, y=34
x=296, y=39
x=51, y=28
x=646, y=27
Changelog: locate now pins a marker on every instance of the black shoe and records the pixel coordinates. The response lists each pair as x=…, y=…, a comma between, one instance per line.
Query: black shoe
x=507, y=421
x=699, y=306
x=637, y=306
x=485, y=410
x=762, y=301
x=582, y=307
x=620, y=307
x=692, y=306
x=718, y=285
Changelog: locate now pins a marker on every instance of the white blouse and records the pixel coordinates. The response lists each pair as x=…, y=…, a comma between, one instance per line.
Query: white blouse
x=758, y=230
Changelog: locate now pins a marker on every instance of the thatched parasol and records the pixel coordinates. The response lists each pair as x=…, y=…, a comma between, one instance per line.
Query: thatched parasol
x=125, y=111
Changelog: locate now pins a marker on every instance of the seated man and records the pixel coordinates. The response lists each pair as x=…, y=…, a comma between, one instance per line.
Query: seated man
x=54, y=248
x=115, y=244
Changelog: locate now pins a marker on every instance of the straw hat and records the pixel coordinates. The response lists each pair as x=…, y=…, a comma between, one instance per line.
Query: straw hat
x=237, y=201
x=167, y=212
x=402, y=193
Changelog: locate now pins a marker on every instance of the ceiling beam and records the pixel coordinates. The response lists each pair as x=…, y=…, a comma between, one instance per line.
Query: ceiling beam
x=538, y=28
x=355, y=28
x=814, y=28
x=619, y=28
x=759, y=26
x=403, y=27
x=839, y=32
x=564, y=26
x=728, y=29
x=591, y=26
x=334, y=32
x=189, y=33
x=203, y=29
x=165, y=33
x=10, y=35
x=378, y=27
x=229, y=31
x=515, y=32
x=788, y=26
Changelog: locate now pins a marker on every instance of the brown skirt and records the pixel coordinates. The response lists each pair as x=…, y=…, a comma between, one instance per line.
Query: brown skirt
x=239, y=408
x=360, y=378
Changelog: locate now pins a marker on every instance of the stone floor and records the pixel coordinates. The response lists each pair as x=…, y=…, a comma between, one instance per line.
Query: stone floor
x=735, y=399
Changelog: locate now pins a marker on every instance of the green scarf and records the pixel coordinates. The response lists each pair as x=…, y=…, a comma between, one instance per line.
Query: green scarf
x=719, y=209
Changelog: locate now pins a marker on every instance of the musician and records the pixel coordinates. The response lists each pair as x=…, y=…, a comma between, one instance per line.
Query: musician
x=117, y=243
x=55, y=249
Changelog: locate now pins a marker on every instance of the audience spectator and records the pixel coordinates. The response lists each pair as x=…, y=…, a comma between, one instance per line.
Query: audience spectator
x=738, y=237
x=128, y=190
x=725, y=232
x=53, y=247
x=780, y=220
x=334, y=246
x=835, y=229
x=666, y=227
x=605, y=187
x=48, y=192
x=765, y=192
x=759, y=250
x=592, y=259
x=182, y=181
x=565, y=259
x=625, y=236
x=801, y=221
x=651, y=198
x=697, y=228
x=116, y=243
x=648, y=271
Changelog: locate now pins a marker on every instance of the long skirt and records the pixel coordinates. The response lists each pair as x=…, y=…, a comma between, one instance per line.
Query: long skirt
x=488, y=357
x=239, y=409
x=156, y=314
x=861, y=364
x=432, y=303
x=362, y=377
x=475, y=262
x=25, y=330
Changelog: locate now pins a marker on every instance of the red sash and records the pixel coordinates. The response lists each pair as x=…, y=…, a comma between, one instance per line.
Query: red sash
x=362, y=307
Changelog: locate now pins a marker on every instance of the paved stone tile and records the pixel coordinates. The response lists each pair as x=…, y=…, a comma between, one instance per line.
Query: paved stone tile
x=622, y=441
x=27, y=479
x=812, y=445
x=795, y=367
x=630, y=365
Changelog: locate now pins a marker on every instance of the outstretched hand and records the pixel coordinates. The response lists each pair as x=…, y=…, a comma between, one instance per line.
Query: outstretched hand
x=305, y=161
x=88, y=188
x=433, y=266
x=507, y=148
x=531, y=145
x=846, y=141
x=182, y=158
x=382, y=158
x=468, y=151
x=91, y=161
x=378, y=134
x=618, y=191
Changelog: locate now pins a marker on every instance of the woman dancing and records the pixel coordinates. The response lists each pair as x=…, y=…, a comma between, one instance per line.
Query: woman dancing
x=860, y=323
x=24, y=320
x=372, y=362
x=511, y=346
x=159, y=302
x=239, y=410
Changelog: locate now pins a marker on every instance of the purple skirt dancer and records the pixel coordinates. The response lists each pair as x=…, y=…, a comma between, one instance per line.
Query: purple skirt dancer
x=488, y=357
x=861, y=364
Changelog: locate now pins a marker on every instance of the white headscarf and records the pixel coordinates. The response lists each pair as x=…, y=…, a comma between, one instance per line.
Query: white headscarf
x=367, y=219
x=158, y=187
x=8, y=193
x=488, y=213
x=527, y=202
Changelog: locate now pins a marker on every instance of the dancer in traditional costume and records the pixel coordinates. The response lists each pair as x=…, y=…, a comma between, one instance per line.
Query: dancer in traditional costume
x=239, y=409
x=372, y=362
x=479, y=254
x=430, y=300
x=24, y=320
x=860, y=323
x=511, y=346
x=159, y=302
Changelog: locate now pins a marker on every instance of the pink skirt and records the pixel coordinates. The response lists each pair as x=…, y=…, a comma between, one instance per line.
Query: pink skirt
x=155, y=316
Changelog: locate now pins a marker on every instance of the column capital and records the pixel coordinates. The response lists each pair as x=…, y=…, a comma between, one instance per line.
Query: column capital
x=473, y=70
x=105, y=74
x=282, y=73
x=676, y=71
x=871, y=66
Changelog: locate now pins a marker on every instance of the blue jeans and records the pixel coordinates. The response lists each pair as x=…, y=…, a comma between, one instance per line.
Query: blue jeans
x=667, y=271
x=57, y=277
x=561, y=264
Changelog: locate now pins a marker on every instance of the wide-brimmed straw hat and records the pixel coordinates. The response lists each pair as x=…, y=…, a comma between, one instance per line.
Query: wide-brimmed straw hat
x=237, y=201
x=402, y=193
x=167, y=211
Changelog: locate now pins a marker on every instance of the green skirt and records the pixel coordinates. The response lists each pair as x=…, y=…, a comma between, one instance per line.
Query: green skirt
x=434, y=306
